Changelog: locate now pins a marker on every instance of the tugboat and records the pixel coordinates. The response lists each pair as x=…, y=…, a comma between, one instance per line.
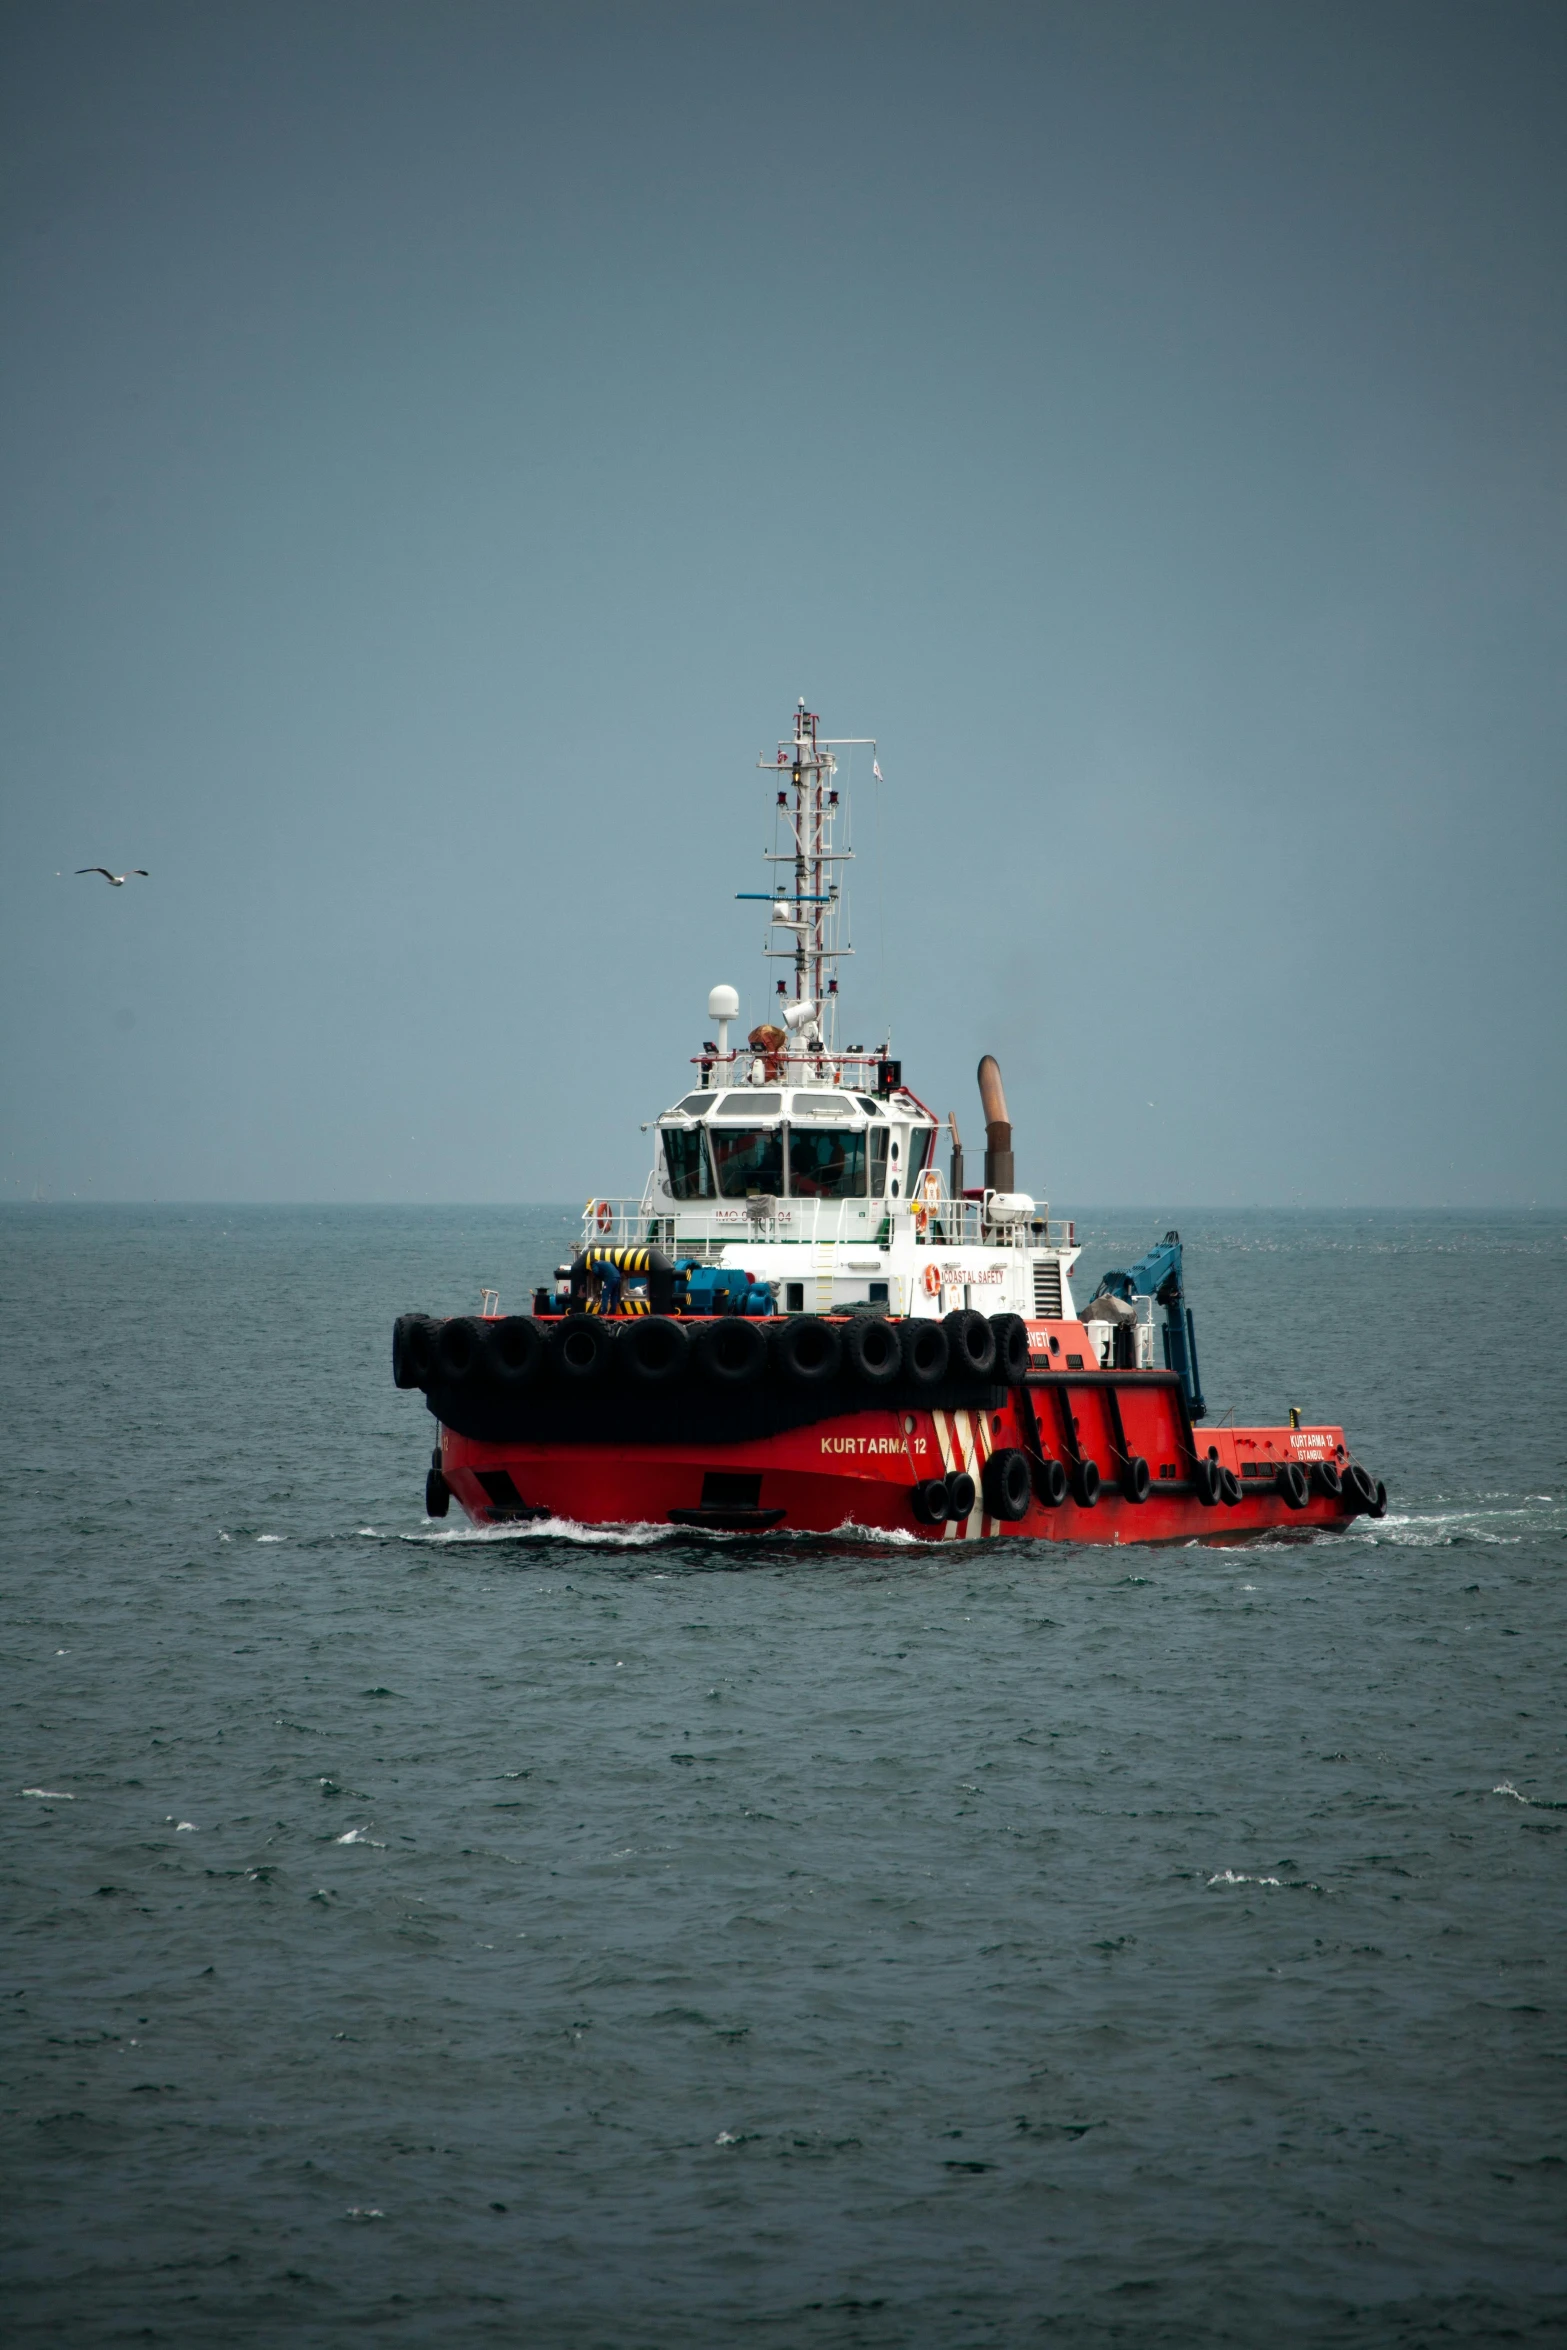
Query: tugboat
x=806, y=1324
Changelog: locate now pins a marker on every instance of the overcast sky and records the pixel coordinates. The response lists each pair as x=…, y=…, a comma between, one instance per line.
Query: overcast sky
x=438, y=443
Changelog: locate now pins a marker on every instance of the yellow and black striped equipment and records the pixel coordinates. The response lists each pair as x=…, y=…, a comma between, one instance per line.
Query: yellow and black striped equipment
x=626, y=1260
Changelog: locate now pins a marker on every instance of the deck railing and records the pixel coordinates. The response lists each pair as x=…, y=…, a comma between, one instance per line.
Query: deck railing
x=964, y=1223
x=936, y=1223
x=802, y=1065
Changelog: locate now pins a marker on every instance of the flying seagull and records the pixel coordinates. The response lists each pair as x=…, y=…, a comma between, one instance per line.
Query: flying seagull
x=116, y=880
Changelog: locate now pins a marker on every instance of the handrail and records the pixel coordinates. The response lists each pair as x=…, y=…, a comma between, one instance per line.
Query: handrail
x=812, y=1065
x=935, y=1224
x=621, y=1223
x=962, y=1223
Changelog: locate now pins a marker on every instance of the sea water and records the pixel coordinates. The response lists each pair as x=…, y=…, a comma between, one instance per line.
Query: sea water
x=535, y=1937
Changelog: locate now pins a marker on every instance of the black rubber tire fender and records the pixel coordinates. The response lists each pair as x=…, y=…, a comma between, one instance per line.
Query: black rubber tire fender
x=1011, y=1348
x=413, y=1350
x=580, y=1350
x=873, y=1349
x=402, y=1368
x=459, y=1349
x=1325, y=1479
x=1359, y=1492
x=1293, y=1486
x=1205, y=1481
x=930, y=1501
x=1085, y=1484
x=1006, y=1485
x=961, y=1494
x=1231, y=1489
x=925, y=1353
x=731, y=1352
x=514, y=1350
x=1135, y=1479
x=971, y=1344
x=653, y=1351
x=807, y=1351
x=437, y=1494
x=1051, y=1484
x=1379, y=1506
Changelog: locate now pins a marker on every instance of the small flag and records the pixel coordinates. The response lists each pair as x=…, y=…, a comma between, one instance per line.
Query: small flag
x=876, y=769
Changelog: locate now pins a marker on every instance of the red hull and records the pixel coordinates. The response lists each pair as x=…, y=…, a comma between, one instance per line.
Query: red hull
x=860, y=1470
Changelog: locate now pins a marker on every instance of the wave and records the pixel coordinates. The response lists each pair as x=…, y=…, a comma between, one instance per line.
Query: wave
x=648, y=1534
x=1493, y=1524
x=1269, y=1884
x=1533, y=1802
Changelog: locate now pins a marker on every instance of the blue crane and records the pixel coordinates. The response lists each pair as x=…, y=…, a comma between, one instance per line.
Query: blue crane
x=1158, y=1275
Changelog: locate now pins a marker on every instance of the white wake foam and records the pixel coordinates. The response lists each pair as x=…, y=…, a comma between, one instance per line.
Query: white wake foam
x=645, y=1534
x=1534, y=1802
x=1274, y=1884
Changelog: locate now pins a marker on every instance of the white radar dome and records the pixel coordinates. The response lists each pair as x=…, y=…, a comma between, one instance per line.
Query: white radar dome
x=723, y=1003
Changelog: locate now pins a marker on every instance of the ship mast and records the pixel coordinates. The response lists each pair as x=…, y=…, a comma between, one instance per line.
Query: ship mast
x=807, y=897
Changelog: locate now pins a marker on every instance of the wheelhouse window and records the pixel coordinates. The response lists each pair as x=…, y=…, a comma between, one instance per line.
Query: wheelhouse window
x=827, y=1162
x=746, y=1104
x=879, y=1139
x=685, y=1156
x=922, y=1141
x=748, y=1158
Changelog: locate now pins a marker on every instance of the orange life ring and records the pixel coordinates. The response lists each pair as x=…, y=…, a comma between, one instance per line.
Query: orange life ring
x=604, y=1216
x=933, y=1281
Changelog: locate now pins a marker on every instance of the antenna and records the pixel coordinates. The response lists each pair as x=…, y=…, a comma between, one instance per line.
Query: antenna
x=723, y=1005
x=806, y=898
x=804, y=916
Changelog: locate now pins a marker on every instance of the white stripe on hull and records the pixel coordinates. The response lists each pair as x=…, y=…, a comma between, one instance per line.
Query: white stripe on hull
x=964, y=1442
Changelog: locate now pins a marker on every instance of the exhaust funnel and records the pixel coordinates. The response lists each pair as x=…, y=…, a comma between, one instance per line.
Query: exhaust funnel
x=998, y=1128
